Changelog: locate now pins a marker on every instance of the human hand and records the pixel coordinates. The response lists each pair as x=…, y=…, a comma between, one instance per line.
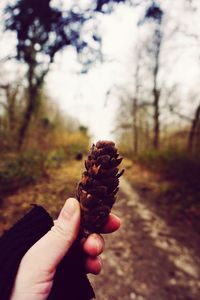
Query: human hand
x=36, y=272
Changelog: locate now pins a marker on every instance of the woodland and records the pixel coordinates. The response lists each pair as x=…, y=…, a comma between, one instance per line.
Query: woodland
x=156, y=128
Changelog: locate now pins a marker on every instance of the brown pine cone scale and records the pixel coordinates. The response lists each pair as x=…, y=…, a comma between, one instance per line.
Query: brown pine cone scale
x=99, y=185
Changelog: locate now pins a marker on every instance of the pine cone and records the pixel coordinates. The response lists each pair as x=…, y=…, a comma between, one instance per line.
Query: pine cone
x=99, y=185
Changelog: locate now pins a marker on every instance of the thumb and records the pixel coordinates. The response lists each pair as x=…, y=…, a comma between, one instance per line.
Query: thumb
x=53, y=246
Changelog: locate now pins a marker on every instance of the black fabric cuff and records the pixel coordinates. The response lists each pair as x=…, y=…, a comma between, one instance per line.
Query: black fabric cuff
x=70, y=281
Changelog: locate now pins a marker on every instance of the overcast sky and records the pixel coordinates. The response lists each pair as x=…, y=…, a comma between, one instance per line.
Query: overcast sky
x=85, y=95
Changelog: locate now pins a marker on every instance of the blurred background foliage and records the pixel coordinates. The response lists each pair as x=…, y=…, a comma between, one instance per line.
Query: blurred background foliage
x=157, y=122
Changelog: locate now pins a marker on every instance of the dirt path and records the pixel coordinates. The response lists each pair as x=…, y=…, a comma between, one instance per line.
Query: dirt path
x=144, y=260
x=149, y=258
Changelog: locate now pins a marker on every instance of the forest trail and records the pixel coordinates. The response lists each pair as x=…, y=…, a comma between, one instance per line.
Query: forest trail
x=149, y=258
x=144, y=260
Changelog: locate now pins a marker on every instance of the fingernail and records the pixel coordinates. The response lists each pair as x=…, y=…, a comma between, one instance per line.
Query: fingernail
x=98, y=245
x=97, y=242
x=69, y=208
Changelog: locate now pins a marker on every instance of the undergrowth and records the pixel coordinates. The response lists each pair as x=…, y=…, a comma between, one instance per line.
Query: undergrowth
x=172, y=163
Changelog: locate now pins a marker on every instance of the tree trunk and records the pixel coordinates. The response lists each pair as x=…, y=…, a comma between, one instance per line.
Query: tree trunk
x=135, y=105
x=34, y=84
x=135, y=127
x=197, y=144
x=156, y=91
x=12, y=111
x=147, y=135
x=32, y=94
x=156, y=139
x=193, y=130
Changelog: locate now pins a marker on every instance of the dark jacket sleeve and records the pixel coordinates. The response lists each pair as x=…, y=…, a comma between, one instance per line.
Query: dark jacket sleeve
x=70, y=281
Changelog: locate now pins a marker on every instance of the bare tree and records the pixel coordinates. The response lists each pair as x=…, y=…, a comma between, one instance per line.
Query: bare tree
x=135, y=104
x=194, y=131
x=155, y=14
x=43, y=30
x=10, y=104
x=11, y=98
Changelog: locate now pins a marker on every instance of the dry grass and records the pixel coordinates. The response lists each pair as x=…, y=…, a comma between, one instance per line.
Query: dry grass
x=50, y=192
x=173, y=191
